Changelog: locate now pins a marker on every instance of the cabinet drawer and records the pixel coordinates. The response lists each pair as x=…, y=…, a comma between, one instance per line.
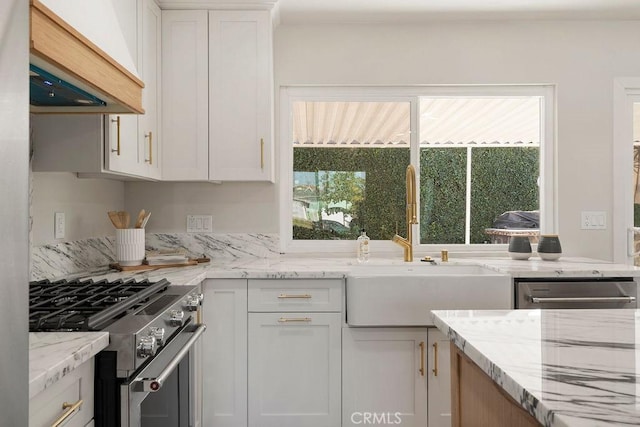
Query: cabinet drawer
x=47, y=407
x=295, y=295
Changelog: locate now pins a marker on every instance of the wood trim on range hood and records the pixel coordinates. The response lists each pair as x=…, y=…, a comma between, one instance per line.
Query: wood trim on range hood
x=60, y=49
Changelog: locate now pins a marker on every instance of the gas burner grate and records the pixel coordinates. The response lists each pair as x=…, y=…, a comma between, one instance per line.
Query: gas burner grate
x=85, y=305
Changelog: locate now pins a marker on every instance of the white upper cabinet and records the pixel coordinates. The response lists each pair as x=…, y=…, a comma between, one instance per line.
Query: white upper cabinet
x=240, y=96
x=217, y=95
x=149, y=60
x=134, y=140
x=185, y=107
x=123, y=145
x=121, y=133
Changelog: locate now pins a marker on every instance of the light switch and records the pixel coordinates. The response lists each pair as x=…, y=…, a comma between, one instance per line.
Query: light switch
x=593, y=220
x=59, y=226
x=199, y=223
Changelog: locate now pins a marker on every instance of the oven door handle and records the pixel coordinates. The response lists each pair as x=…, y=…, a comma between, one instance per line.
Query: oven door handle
x=538, y=300
x=155, y=384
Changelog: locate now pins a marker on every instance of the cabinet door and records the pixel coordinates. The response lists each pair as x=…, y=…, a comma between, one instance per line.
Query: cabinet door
x=185, y=97
x=439, y=370
x=121, y=130
x=294, y=369
x=121, y=145
x=382, y=379
x=224, y=353
x=240, y=96
x=149, y=37
x=76, y=386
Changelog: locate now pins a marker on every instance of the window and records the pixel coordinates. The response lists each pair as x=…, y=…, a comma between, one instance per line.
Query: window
x=478, y=152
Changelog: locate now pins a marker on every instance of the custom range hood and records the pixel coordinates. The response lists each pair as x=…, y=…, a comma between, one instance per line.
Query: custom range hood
x=70, y=74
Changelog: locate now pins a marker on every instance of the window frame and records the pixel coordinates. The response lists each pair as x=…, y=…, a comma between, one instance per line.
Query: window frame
x=412, y=94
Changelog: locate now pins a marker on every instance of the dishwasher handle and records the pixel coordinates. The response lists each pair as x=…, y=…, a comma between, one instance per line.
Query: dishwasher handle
x=543, y=300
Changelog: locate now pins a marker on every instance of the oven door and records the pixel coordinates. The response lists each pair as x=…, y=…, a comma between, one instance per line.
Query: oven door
x=162, y=394
x=573, y=293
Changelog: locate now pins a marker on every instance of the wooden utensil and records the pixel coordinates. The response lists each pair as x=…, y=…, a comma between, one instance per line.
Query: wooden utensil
x=124, y=219
x=146, y=218
x=115, y=219
x=140, y=218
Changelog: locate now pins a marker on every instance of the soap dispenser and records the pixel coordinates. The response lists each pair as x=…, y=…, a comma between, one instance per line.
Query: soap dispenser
x=363, y=247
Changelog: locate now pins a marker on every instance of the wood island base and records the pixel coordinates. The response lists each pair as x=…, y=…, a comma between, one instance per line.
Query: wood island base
x=479, y=402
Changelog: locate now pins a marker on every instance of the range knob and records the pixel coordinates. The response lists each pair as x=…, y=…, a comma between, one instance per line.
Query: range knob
x=158, y=334
x=146, y=346
x=193, y=302
x=176, y=317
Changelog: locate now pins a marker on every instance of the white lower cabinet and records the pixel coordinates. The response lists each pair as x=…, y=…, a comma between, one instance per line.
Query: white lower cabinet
x=271, y=369
x=384, y=378
x=68, y=401
x=294, y=369
x=439, y=371
x=224, y=353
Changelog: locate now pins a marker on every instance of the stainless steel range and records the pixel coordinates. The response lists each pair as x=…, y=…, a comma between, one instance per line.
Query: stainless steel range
x=152, y=329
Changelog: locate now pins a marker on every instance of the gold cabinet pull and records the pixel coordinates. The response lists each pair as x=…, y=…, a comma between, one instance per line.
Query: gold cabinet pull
x=150, y=136
x=117, y=122
x=421, y=370
x=435, y=359
x=70, y=409
x=262, y=153
x=303, y=296
x=294, y=319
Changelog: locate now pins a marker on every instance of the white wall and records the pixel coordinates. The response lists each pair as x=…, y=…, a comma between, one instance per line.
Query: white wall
x=236, y=207
x=14, y=190
x=581, y=58
x=85, y=203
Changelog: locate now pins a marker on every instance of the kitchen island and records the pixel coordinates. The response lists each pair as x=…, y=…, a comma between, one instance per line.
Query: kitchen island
x=570, y=368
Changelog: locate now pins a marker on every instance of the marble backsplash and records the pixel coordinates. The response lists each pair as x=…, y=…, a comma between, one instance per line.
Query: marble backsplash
x=69, y=258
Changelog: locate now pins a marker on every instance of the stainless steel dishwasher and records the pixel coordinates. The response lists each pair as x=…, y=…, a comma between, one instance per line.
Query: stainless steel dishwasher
x=618, y=292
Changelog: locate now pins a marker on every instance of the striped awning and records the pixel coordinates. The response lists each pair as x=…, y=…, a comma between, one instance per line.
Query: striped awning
x=443, y=121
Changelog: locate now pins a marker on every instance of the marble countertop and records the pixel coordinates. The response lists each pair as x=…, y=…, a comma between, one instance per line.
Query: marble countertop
x=567, y=368
x=317, y=267
x=326, y=267
x=52, y=355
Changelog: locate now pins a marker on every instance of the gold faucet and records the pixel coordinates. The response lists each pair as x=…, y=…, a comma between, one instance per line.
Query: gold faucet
x=412, y=217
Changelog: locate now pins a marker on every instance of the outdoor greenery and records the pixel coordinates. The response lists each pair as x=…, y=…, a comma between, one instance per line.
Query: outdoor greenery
x=503, y=179
x=378, y=206
x=443, y=181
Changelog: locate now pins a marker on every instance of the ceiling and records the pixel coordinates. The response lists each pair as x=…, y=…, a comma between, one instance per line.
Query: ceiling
x=368, y=11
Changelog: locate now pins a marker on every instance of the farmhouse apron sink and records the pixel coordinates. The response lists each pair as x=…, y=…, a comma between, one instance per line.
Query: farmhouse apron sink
x=404, y=295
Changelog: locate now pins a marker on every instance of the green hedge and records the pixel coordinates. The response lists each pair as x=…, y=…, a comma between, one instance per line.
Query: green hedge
x=502, y=179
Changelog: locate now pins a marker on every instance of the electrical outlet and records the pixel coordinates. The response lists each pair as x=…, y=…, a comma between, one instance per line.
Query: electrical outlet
x=199, y=223
x=593, y=220
x=58, y=225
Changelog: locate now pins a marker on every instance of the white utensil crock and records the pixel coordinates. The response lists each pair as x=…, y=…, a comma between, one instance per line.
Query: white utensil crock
x=130, y=246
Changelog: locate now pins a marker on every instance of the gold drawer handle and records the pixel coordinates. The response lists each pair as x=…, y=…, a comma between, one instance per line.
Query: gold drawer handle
x=70, y=409
x=294, y=319
x=262, y=153
x=150, y=136
x=117, y=122
x=421, y=370
x=435, y=359
x=303, y=296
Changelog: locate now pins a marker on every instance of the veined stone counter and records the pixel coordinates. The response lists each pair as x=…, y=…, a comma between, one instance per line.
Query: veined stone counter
x=327, y=267
x=52, y=355
x=567, y=368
